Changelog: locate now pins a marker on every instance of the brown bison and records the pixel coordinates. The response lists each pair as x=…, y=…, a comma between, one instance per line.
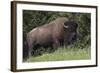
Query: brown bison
x=58, y=32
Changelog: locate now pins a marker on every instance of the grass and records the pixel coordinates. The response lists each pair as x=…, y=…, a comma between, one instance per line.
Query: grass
x=63, y=54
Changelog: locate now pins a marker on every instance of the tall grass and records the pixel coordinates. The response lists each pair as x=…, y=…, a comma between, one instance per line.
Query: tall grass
x=69, y=53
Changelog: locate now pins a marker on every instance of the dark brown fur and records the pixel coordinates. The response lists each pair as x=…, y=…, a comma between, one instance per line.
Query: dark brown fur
x=52, y=34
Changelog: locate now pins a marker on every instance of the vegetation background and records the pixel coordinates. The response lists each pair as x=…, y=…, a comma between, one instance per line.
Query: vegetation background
x=78, y=50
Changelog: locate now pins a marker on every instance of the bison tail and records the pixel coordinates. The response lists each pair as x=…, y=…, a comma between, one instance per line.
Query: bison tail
x=25, y=47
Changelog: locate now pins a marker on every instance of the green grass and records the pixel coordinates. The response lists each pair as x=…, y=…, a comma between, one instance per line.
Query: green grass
x=63, y=54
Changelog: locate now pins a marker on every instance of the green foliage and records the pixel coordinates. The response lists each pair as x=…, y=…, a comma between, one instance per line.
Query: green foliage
x=32, y=19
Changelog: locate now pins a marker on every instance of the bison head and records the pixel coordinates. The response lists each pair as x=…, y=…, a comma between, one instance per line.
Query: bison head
x=70, y=32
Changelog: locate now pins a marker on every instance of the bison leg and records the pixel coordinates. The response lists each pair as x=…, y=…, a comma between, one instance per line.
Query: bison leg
x=30, y=46
x=30, y=51
x=56, y=44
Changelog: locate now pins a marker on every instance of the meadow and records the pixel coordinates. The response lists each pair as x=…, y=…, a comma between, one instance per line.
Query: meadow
x=63, y=54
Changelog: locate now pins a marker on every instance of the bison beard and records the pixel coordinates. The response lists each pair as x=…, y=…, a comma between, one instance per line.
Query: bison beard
x=54, y=34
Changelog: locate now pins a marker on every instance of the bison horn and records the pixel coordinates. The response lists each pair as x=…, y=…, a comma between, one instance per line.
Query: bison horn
x=66, y=26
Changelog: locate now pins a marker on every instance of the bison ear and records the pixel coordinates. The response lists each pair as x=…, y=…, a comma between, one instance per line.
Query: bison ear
x=76, y=25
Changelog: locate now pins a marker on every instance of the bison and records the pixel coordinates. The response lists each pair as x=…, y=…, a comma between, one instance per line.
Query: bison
x=60, y=31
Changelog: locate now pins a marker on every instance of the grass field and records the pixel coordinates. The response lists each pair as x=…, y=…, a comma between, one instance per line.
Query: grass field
x=63, y=54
